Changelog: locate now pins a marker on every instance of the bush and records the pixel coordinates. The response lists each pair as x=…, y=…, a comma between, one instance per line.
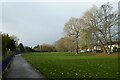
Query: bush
x=115, y=49
x=98, y=51
x=118, y=49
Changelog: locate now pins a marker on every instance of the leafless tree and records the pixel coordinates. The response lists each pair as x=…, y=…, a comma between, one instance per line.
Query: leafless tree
x=72, y=28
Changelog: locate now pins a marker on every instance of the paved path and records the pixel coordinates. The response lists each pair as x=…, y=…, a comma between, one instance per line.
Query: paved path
x=20, y=68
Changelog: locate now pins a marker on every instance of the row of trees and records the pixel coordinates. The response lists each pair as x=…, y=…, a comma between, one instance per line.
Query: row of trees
x=45, y=48
x=10, y=43
x=98, y=26
x=23, y=48
x=62, y=45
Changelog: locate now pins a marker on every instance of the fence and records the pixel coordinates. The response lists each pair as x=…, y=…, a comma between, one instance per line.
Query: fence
x=6, y=61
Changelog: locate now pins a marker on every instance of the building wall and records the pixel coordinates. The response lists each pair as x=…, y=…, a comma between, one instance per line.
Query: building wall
x=99, y=48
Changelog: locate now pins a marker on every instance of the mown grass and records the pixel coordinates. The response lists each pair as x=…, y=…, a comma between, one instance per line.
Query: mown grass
x=69, y=65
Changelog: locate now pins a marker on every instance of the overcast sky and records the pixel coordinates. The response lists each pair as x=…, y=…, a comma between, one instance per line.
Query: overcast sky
x=40, y=22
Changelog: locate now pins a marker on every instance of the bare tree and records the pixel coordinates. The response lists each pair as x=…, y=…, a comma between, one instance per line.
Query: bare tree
x=108, y=20
x=72, y=28
x=65, y=44
x=102, y=21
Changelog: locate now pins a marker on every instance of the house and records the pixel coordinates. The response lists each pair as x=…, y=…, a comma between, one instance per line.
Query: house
x=114, y=44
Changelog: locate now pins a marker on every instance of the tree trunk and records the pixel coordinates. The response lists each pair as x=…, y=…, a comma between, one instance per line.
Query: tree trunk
x=110, y=41
x=108, y=50
x=101, y=43
x=77, y=46
x=104, y=50
x=96, y=49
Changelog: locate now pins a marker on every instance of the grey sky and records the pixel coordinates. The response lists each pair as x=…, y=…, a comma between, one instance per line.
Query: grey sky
x=40, y=22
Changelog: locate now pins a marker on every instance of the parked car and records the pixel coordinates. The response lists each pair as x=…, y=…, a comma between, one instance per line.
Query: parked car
x=83, y=51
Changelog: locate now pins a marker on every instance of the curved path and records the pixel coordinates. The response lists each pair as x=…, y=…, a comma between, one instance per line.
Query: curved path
x=20, y=68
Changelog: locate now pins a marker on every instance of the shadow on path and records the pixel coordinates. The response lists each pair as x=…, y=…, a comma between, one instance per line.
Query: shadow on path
x=20, y=68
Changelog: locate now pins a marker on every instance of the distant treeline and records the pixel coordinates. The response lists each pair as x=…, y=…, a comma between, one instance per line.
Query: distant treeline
x=45, y=48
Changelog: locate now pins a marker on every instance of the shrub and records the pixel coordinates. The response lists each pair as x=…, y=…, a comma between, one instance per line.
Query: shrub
x=115, y=49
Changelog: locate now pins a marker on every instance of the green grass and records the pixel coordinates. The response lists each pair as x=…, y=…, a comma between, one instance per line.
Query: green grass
x=69, y=65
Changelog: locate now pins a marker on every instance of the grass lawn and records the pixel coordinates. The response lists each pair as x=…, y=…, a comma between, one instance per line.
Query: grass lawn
x=69, y=65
